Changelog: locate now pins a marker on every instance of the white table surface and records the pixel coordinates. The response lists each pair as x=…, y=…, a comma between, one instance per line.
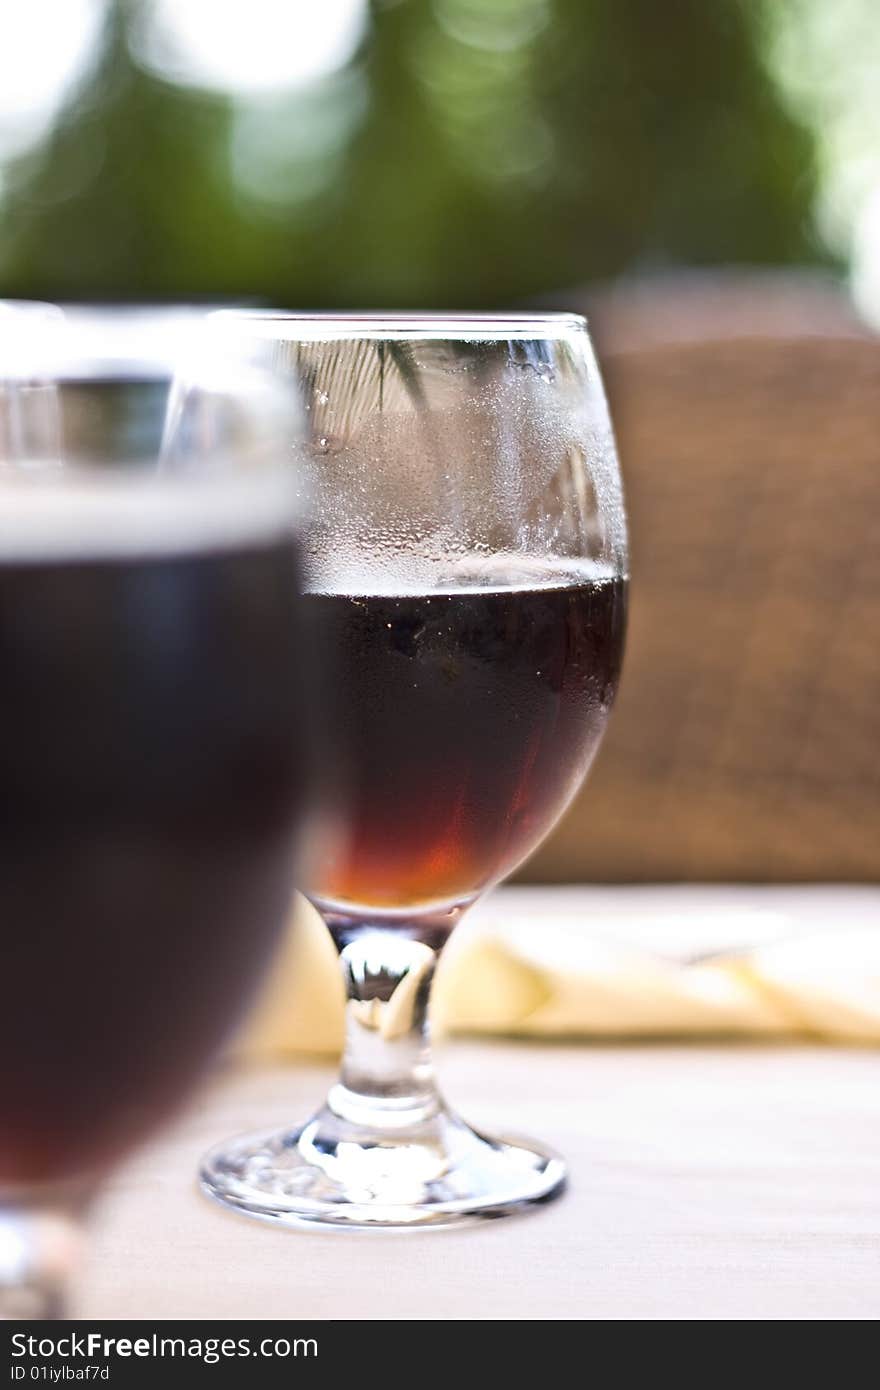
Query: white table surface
x=716, y=1182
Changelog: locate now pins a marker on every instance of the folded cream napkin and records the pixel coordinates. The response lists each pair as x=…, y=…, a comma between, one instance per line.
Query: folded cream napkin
x=617, y=963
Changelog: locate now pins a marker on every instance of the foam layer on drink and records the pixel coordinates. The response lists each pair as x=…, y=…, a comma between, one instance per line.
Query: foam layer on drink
x=119, y=517
x=505, y=570
x=476, y=570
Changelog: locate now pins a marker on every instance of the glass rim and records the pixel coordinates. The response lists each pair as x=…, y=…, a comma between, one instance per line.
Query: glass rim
x=31, y=308
x=297, y=325
x=120, y=343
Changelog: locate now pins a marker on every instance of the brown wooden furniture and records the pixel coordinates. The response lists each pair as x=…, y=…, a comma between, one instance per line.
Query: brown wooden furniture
x=746, y=741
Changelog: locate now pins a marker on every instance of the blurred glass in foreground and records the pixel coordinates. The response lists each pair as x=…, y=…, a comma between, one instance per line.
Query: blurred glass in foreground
x=151, y=744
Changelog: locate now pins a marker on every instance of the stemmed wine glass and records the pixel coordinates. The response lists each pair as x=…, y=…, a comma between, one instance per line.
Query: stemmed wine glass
x=466, y=573
x=152, y=742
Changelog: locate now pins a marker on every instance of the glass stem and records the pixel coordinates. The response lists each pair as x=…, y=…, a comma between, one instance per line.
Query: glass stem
x=40, y=1245
x=387, y=1078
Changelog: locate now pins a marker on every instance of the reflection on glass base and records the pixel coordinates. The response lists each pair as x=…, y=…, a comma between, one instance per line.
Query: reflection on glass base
x=436, y=1172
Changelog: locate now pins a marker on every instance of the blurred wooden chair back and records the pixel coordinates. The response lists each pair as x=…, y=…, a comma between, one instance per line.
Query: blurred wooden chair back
x=746, y=741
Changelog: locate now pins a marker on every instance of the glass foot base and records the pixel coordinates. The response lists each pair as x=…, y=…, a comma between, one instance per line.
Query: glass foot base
x=436, y=1172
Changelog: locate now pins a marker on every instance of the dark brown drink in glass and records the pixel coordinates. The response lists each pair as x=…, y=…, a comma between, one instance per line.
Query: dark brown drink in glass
x=151, y=780
x=467, y=719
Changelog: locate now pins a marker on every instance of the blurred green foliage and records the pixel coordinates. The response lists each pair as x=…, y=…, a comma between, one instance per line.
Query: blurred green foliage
x=474, y=152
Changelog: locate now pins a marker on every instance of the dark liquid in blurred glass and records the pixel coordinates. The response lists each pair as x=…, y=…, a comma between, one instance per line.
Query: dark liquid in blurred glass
x=467, y=720
x=151, y=776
